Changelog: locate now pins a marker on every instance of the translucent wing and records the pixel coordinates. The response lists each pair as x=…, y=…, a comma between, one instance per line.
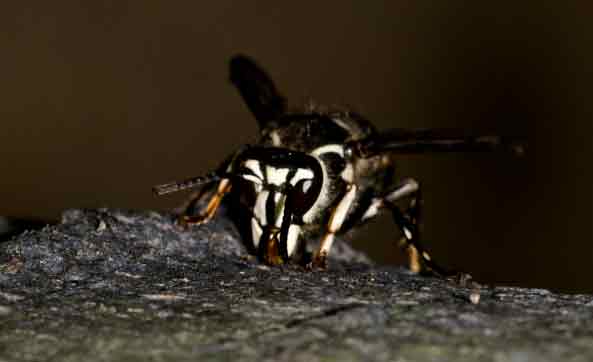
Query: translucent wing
x=407, y=141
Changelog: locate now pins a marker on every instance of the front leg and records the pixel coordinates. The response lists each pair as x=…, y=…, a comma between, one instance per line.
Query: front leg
x=224, y=186
x=212, y=190
x=336, y=221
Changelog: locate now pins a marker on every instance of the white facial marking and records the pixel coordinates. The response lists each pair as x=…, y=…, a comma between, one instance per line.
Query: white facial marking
x=339, y=215
x=259, y=210
x=253, y=179
x=301, y=174
x=279, y=201
x=253, y=165
x=292, y=239
x=276, y=176
x=307, y=185
x=256, y=232
x=322, y=199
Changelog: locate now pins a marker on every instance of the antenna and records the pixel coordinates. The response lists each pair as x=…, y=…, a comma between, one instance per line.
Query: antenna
x=189, y=183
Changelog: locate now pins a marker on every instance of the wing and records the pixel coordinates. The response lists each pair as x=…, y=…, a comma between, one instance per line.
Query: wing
x=405, y=141
x=257, y=89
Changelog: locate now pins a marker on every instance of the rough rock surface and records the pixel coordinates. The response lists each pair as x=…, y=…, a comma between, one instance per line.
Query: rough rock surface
x=113, y=285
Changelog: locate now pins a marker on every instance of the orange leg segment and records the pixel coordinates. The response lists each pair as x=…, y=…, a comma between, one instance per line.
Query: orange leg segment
x=224, y=186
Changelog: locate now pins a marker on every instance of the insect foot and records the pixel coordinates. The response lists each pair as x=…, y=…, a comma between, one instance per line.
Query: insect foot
x=185, y=221
x=319, y=262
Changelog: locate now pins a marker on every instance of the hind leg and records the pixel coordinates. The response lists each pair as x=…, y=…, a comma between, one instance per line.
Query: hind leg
x=408, y=221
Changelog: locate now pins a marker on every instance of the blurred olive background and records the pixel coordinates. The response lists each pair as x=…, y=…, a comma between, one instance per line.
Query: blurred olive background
x=101, y=100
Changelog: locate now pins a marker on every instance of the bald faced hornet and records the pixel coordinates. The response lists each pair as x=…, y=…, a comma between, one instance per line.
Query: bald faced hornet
x=314, y=174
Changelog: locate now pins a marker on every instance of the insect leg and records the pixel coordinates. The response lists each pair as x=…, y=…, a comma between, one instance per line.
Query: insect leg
x=224, y=186
x=212, y=190
x=336, y=221
x=408, y=222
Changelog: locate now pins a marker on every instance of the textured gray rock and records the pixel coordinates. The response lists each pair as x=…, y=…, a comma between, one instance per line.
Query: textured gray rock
x=115, y=285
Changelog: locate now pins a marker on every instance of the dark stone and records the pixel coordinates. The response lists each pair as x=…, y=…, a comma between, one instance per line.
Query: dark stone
x=118, y=285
